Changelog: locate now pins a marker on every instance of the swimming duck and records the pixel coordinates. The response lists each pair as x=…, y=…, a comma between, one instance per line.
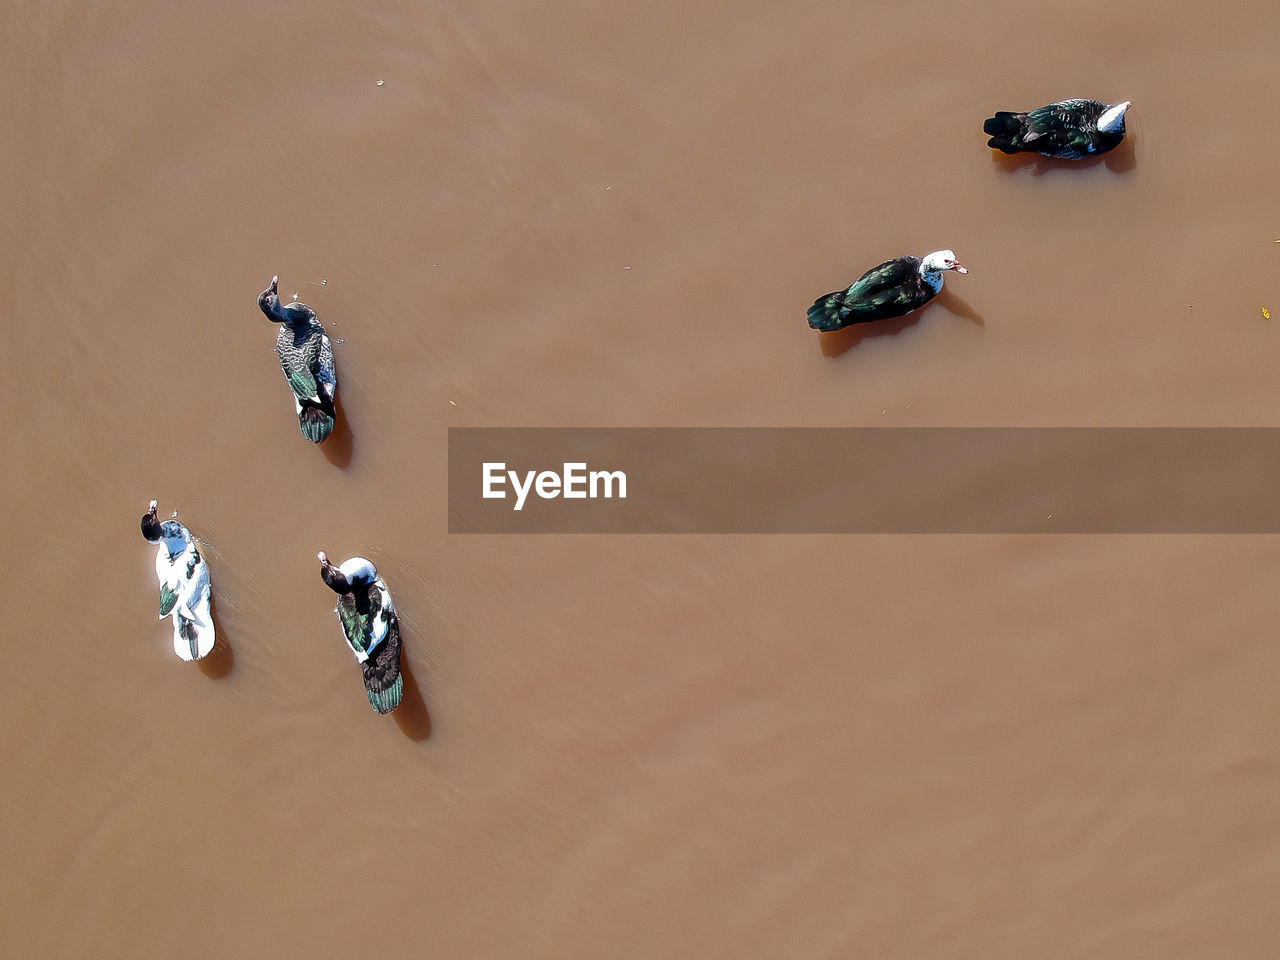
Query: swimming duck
x=1068, y=130
x=184, y=585
x=893, y=289
x=369, y=626
x=307, y=360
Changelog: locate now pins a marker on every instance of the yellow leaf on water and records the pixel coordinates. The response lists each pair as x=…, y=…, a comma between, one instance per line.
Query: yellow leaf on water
x=1266, y=314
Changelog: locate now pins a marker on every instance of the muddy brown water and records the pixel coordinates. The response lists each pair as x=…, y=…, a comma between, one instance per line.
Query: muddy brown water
x=625, y=746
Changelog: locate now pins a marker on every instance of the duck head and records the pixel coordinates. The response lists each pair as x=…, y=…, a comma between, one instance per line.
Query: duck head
x=331, y=575
x=941, y=260
x=269, y=300
x=1112, y=119
x=151, y=525
x=295, y=311
x=353, y=574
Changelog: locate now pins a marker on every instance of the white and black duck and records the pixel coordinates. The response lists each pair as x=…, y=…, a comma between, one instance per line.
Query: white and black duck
x=306, y=357
x=184, y=585
x=892, y=289
x=369, y=626
x=1067, y=130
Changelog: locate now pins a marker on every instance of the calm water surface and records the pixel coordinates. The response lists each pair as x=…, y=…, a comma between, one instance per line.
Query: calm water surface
x=604, y=214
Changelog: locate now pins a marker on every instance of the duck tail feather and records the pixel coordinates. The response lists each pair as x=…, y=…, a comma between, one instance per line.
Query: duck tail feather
x=384, y=701
x=829, y=313
x=1004, y=129
x=191, y=640
x=315, y=423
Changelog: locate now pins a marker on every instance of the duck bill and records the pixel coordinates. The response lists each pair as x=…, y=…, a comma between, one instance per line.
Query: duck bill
x=960, y=267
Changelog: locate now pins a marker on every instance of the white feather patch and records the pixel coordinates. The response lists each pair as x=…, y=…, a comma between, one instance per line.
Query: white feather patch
x=1113, y=117
x=174, y=555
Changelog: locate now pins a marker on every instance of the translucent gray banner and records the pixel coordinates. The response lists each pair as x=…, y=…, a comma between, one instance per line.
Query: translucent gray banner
x=876, y=480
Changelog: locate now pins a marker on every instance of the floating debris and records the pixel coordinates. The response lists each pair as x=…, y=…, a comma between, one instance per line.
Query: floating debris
x=1266, y=314
x=381, y=82
x=452, y=404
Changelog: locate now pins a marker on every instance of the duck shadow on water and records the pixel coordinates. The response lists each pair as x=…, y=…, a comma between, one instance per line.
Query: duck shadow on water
x=411, y=716
x=841, y=341
x=1120, y=160
x=338, y=446
x=217, y=663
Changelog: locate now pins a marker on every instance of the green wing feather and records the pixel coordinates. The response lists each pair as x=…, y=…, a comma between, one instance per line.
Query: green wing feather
x=168, y=598
x=302, y=383
x=187, y=630
x=384, y=701
x=355, y=626
x=358, y=626
x=299, y=352
x=886, y=278
x=1061, y=126
x=885, y=298
x=882, y=286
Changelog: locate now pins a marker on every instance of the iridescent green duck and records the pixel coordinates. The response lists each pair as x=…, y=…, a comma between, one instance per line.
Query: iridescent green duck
x=307, y=360
x=1066, y=130
x=892, y=289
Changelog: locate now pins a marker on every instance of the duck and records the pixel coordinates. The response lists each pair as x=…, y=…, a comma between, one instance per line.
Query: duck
x=185, y=594
x=1066, y=130
x=369, y=625
x=306, y=356
x=895, y=288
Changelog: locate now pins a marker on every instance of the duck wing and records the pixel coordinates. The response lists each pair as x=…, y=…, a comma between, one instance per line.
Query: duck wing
x=188, y=595
x=325, y=374
x=891, y=289
x=884, y=283
x=168, y=600
x=299, y=350
x=192, y=639
x=316, y=415
x=174, y=547
x=1066, y=129
x=382, y=682
x=365, y=619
